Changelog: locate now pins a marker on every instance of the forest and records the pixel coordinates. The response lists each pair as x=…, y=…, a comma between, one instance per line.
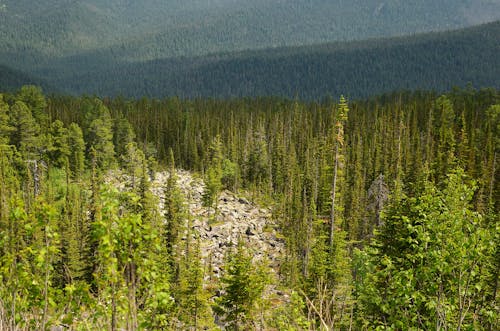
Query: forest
x=387, y=208
x=237, y=48
x=34, y=33
x=436, y=61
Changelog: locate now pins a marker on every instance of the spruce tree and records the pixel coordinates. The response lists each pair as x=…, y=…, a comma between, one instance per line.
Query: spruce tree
x=99, y=134
x=33, y=97
x=76, y=145
x=338, y=165
x=174, y=214
x=5, y=128
x=213, y=176
x=58, y=144
x=192, y=298
x=243, y=285
x=25, y=133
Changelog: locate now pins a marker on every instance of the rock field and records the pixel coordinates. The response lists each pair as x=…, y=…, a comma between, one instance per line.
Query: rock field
x=236, y=218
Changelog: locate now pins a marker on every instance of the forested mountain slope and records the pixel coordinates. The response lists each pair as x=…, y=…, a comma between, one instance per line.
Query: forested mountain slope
x=11, y=80
x=35, y=32
x=358, y=69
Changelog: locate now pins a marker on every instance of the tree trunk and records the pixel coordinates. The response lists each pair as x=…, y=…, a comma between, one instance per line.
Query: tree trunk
x=334, y=191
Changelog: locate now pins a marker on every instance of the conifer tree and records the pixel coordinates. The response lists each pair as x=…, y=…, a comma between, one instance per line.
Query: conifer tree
x=339, y=159
x=25, y=130
x=445, y=158
x=99, y=134
x=7, y=174
x=174, y=213
x=213, y=180
x=133, y=161
x=58, y=144
x=192, y=298
x=258, y=159
x=26, y=138
x=76, y=146
x=5, y=128
x=122, y=137
x=243, y=285
x=33, y=97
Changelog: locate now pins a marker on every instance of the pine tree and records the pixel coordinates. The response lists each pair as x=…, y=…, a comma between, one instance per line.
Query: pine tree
x=58, y=144
x=243, y=285
x=76, y=146
x=192, y=299
x=99, y=134
x=213, y=176
x=339, y=140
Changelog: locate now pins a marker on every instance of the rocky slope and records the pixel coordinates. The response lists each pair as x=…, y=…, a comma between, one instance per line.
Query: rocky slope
x=236, y=218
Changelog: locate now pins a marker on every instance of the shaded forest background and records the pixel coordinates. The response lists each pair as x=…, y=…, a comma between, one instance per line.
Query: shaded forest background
x=236, y=48
x=436, y=61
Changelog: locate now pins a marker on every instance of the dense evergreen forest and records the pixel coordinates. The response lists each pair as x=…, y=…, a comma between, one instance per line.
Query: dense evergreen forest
x=388, y=208
x=11, y=80
x=359, y=69
x=33, y=33
x=193, y=48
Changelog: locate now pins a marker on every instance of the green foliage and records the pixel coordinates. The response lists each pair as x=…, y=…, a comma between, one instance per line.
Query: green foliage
x=123, y=135
x=76, y=146
x=129, y=247
x=192, y=299
x=291, y=317
x=100, y=133
x=25, y=135
x=74, y=251
x=446, y=143
x=33, y=97
x=213, y=181
x=329, y=285
x=243, y=285
x=58, y=144
x=427, y=264
x=5, y=128
x=175, y=214
x=229, y=176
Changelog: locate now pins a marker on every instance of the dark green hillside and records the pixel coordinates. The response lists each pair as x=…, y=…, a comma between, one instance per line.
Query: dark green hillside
x=11, y=80
x=436, y=61
x=125, y=30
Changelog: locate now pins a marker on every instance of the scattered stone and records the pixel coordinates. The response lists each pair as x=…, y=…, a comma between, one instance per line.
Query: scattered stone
x=243, y=201
x=249, y=232
x=236, y=218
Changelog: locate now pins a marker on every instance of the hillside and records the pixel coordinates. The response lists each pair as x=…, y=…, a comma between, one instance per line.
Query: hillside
x=34, y=34
x=11, y=80
x=358, y=69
